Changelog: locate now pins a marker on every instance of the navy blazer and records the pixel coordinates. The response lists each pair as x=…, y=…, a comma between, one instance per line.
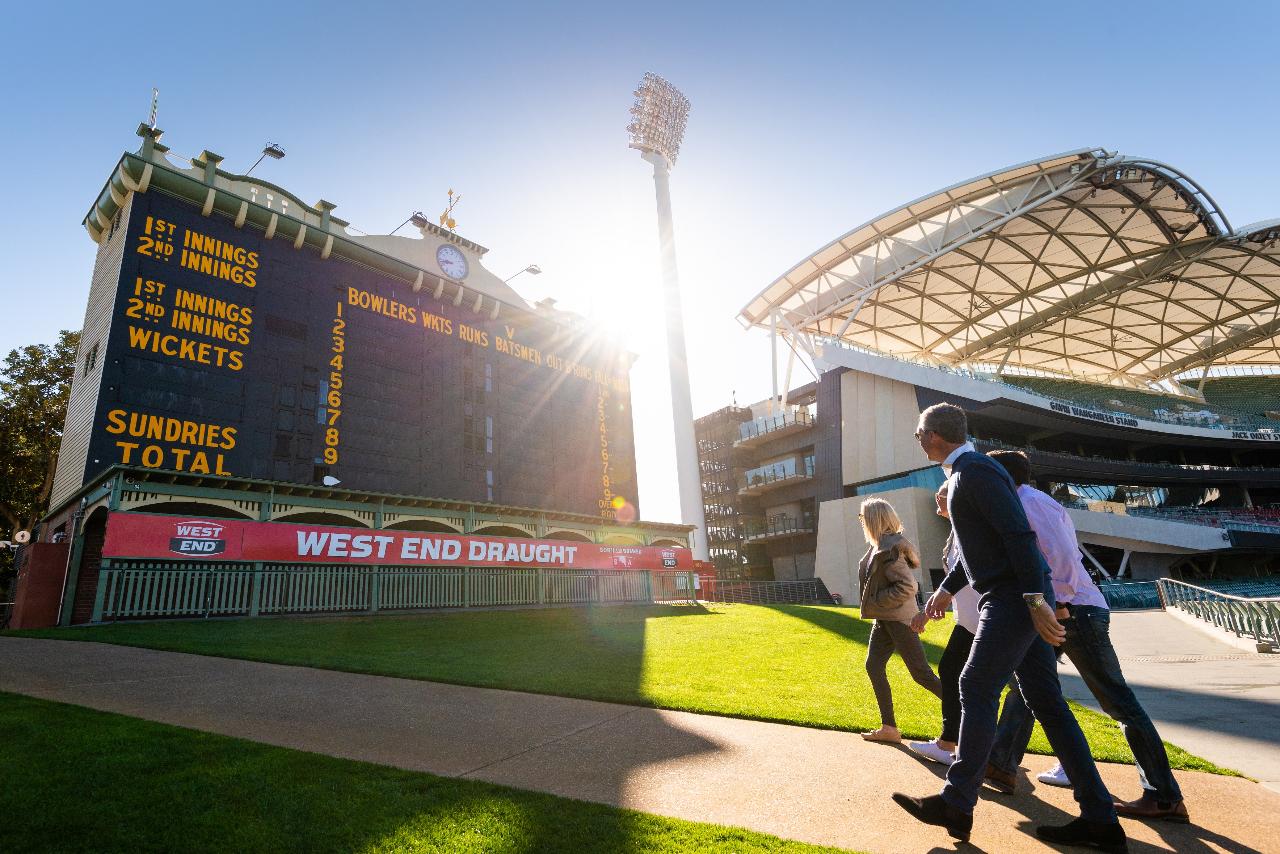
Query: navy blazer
x=997, y=545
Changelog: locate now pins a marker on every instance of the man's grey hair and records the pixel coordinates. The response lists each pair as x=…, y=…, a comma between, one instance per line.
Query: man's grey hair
x=948, y=421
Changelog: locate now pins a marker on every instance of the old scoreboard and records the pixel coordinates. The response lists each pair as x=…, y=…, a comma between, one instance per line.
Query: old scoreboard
x=210, y=348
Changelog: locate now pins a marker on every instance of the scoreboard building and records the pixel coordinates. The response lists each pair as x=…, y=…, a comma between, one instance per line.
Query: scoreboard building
x=240, y=345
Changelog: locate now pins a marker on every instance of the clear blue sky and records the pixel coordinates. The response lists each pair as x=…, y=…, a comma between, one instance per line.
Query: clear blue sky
x=807, y=120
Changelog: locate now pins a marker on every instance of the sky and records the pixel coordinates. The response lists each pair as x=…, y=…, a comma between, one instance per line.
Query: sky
x=807, y=120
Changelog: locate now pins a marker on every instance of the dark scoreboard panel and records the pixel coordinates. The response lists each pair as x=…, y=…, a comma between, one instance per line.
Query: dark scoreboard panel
x=232, y=354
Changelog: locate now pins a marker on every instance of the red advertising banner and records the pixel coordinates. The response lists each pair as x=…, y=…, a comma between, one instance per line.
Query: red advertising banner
x=143, y=535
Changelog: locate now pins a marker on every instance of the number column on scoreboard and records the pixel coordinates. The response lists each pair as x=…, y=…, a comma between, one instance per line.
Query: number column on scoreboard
x=333, y=400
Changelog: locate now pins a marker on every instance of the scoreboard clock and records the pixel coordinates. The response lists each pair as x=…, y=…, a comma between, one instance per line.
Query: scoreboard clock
x=452, y=262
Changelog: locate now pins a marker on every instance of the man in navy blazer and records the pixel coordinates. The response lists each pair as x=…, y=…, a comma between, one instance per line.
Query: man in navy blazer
x=1017, y=628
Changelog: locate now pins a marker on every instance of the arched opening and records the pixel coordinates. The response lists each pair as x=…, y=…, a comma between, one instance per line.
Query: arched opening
x=193, y=508
x=622, y=540
x=501, y=531
x=319, y=517
x=426, y=525
x=571, y=536
x=667, y=541
x=94, y=531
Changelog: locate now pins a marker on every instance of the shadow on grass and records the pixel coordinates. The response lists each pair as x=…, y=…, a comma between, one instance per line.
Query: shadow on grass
x=79, y=779
x=595, y=653
x=844, y=623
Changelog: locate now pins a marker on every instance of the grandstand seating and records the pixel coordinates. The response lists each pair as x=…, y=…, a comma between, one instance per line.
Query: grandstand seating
x=1143, y=404
x=1130, y=595
x=1252, y=395
x=1213, y=517
x=1124, y=595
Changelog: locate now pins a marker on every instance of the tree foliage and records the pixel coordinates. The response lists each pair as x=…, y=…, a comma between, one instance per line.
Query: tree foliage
x=35, y=383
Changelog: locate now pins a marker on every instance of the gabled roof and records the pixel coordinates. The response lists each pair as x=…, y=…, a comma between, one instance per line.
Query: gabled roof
x=1120, y=269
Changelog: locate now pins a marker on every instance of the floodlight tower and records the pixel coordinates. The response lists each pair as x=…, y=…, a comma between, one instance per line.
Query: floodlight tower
x=657, y=129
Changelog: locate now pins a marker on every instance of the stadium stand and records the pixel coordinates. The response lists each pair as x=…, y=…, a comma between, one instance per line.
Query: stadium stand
x=1253, y=395
x=1144, y=404
x=1071, y=305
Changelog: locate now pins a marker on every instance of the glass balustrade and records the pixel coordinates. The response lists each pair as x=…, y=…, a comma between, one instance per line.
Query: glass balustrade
x=773, y=423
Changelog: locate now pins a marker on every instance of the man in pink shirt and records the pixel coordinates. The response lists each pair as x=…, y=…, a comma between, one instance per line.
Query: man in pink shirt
x=1084, y=613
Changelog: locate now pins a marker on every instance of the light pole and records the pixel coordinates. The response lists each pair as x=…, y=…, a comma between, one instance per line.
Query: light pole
x=271, y=150
x=657, y=129
x=532, y=269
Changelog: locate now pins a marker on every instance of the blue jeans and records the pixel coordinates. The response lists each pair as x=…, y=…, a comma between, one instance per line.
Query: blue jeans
x=1007, y=644
x=1088, y=645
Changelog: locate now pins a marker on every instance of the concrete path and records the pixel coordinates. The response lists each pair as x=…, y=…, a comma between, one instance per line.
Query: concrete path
x=1203, y=694
x=813, y=785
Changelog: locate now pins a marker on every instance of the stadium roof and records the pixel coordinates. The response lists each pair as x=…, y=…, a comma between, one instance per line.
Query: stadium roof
x=1113, y=268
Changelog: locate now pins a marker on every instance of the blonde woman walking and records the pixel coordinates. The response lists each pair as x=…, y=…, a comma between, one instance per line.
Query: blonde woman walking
x=886, y=577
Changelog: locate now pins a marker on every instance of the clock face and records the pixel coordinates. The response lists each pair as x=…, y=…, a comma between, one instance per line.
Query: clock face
x=452, y=262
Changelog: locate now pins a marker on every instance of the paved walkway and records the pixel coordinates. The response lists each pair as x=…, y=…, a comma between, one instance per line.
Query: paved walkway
x=1203, y=694
x=813, y=785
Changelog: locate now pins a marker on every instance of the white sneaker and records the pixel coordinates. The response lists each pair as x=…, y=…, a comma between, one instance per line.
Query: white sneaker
x=930, y=750
x=1055, y=776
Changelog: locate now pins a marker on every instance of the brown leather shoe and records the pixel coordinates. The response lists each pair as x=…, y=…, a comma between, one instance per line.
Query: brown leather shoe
x=1000, y=780
x=1148, y=807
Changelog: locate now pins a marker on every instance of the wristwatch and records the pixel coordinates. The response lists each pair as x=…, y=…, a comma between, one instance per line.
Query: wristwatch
x=1034, y=600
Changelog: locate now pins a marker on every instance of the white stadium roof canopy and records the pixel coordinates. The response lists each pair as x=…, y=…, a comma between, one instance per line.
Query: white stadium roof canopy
x=1111, y=268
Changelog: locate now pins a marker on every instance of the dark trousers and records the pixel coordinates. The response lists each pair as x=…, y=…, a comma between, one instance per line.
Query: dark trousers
x=1088, y=645
x=949, y=668
x=1007, y=644
x=887, y=637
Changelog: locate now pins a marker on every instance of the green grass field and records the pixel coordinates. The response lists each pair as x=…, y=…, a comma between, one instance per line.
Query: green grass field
x=792, y=664
x=74, y=779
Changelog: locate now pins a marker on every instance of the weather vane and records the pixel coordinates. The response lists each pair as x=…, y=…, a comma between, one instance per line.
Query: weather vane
x=446, y=218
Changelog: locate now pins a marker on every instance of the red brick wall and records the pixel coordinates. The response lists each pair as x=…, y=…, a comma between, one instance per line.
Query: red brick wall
x=35, y=601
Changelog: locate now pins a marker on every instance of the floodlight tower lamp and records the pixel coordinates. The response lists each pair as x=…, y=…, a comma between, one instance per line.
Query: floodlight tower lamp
x=657, y=126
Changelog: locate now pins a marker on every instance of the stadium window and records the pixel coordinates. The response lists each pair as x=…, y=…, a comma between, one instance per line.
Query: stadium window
x=91, y=358
x=288, y=395
x=284, y=446
x=488, y=377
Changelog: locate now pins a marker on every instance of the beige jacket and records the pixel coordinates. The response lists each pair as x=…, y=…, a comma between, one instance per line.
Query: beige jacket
x=887, y=579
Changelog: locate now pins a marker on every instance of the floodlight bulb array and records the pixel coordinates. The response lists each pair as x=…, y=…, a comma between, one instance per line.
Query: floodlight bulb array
x=658, y=117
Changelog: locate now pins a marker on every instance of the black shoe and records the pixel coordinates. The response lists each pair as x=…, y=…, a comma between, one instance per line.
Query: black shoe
x=1093, y=834
x=934, y=810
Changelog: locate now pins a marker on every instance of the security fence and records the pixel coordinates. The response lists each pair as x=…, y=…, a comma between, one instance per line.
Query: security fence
x=1257, y=618
x=138, y=589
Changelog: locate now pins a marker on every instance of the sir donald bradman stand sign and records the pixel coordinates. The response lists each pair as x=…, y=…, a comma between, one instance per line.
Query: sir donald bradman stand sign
x=142, y=535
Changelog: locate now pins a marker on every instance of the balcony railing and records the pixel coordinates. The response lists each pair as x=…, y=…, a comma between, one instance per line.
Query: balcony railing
x=776, y=527
x=772, y=426
x=764, y=477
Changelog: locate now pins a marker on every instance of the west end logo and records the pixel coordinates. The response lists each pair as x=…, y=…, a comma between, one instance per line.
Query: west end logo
x=668, y=558
x=197, y=538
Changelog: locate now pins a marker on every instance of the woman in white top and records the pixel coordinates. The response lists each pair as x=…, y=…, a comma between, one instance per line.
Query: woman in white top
x=965, y=604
